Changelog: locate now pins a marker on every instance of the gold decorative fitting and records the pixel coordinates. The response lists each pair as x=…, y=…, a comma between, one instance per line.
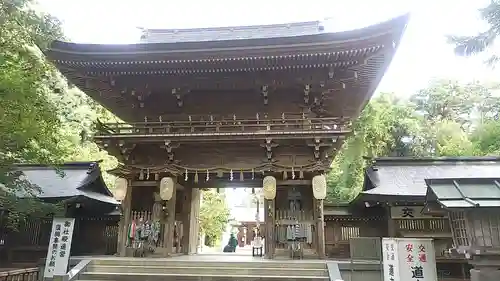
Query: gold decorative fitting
x=293, y=174
x=231, y=175
x=208, y=176
x=186, y=175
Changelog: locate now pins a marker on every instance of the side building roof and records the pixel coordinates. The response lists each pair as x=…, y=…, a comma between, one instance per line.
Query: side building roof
x=67, y=181
x=401, y=178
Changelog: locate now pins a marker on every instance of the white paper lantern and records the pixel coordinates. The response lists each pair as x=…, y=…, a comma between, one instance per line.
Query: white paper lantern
x=319, y=187
x=269, y=187
x=167, y=186
x=120, y=190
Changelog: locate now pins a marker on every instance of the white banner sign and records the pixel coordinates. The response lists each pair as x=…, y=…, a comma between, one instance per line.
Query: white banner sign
x=409, y=259
x=391, y=263
x=59, y=247
x=409, y=212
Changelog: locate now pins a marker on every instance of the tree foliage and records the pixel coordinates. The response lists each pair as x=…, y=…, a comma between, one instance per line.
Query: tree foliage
x=445, y=119
x=470, y=45
x=214, y=215
x=44, y=119
x=29, y=127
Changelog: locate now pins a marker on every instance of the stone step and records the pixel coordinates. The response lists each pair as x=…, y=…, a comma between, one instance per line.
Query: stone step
x=139, y=262
x=253, y=269
x=101, y=276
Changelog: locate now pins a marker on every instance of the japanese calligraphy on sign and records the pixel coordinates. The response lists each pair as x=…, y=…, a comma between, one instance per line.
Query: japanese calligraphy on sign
x=390, y=258
x=408, y=212
x=414, y=259
x=59, y=247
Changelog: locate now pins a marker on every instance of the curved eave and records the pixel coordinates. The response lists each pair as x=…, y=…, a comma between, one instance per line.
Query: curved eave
x=393, y=27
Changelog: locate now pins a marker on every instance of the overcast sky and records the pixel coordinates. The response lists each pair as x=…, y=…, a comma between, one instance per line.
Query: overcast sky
x=423, y=53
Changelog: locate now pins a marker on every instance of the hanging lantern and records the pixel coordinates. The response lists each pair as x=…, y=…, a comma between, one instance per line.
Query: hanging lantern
x=269, y=187
x=120, y=191
x=319, y=186
x=167, y=186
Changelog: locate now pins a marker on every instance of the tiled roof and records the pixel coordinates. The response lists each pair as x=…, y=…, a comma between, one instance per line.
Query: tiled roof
x=69, y=180
x=406, y=176
x=231, y=33
x=464, y=193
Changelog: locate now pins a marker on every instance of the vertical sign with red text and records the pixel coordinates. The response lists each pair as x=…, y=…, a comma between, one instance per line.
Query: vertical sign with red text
x=415, y=260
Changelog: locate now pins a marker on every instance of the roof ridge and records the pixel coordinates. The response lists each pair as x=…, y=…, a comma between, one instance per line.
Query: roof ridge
x=239, y=27
x=85, y=164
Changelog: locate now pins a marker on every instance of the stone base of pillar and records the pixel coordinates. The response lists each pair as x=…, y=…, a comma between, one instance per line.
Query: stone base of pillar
x=485, y=274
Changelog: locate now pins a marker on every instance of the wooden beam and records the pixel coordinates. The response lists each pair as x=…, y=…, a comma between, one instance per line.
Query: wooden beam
x=293, y=182
x=144, y=183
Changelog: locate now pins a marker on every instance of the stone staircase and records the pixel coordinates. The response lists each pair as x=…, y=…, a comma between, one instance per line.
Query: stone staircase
x=133, y=269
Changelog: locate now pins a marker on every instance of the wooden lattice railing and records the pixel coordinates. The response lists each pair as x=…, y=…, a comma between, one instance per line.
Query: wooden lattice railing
x=440, y=225
x=338, y=125
x=25, y=274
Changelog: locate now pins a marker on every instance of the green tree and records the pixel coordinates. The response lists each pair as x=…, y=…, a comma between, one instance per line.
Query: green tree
x=470, y=45
x=446, y=118
x=387, y=126
x=486, y=138
x=43, y=120
x=214, y=215
x=29, y=127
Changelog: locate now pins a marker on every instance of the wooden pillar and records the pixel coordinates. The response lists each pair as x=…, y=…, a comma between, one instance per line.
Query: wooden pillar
x=125, y=221
x=186, y=219
x=191, y=211
x=194, y=214
x=168, y=236
x=269, y=218
x=391, y=226
x=320, y=227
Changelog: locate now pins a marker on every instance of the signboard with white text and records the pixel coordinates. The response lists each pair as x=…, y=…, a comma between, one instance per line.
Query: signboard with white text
x=59, y=247
x=409, y=259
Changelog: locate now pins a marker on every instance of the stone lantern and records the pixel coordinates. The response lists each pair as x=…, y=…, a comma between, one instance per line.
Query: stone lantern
x=473, y=206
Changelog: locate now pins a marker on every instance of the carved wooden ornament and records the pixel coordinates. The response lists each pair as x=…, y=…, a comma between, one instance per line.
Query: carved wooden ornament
x=319, y=187
x=120, y=191
x=269, y=187
x=167, y=186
